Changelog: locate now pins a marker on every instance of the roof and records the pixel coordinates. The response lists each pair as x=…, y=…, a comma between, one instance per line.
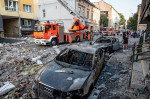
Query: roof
x=108, y=4
x=84, y=48
x=90, y=3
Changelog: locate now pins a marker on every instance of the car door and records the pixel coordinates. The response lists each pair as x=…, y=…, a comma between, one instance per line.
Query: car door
x=98, y=63
x=54, y=31
x=115, y=44
x=118, y=44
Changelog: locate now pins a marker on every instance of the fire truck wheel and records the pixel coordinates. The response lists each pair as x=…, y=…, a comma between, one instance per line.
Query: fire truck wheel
x=77, y=38
x=54, y=42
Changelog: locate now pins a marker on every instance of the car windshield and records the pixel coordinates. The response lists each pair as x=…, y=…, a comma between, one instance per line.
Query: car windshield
x=106, y=29
x=103, y=40
x=38, y=28
x=73, y=57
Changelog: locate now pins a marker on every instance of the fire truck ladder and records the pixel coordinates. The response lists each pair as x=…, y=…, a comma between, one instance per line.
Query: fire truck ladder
x=73, y=11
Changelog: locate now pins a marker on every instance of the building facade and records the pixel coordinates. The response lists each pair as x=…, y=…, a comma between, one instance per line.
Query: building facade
x=17, y=17
x=55, y=10
x=111, y=13
x=145, y=14
x=140, y=26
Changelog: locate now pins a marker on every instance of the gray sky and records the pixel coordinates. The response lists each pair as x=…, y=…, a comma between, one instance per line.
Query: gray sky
x=126, y=7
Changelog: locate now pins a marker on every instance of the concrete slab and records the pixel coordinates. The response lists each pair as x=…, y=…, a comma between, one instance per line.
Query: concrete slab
x=137, y=66
x=137, y=80
x=145, y=67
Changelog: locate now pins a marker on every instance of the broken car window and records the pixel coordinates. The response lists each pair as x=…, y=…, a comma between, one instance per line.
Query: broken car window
x=74, y=57
x=103, y=40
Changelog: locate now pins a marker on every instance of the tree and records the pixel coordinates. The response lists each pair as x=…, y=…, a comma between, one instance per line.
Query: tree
x=132, y=22
x=104, y=21
x=122, y=19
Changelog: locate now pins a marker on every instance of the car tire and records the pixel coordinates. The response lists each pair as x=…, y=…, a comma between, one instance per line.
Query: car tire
x=54, y=42
x=77, y=38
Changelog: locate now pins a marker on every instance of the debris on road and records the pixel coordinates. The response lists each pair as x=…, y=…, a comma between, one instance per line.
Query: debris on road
x=18, y=65
x=6, y=88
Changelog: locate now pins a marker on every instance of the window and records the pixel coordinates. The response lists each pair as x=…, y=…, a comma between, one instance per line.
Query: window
x=11, y=5
x=54, y=27
x=83, y=12
x=27, y=8
x=38, y=28
x=79, y=10
x=87, y=14
x=91, y=16
x=104, y=13
x=44, y=14
x=74, y=57
x=26, y=22
x=47, y=28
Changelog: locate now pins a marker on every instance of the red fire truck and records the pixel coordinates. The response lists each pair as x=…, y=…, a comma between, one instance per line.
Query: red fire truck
x=53, y=33
x=108, y=31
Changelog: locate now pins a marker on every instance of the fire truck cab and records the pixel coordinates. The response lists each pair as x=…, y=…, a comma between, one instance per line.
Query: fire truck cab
x=53, y=33
x=108, y=31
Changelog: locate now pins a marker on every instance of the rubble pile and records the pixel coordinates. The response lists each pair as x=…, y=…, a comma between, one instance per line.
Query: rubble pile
x=19, y=62
x=115, y=77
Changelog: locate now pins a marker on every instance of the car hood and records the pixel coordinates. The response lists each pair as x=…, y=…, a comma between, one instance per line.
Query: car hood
x=63, y=79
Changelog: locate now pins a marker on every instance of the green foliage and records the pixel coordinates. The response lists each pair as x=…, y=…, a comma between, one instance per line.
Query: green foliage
x=104, y=21
x=122, y=19
x=132, y=22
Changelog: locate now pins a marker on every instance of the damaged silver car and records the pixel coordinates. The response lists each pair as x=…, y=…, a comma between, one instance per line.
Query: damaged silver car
x=71, y=75
x=108, y=44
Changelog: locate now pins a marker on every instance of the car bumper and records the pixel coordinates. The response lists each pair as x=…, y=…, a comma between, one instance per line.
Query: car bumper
x=40, y=41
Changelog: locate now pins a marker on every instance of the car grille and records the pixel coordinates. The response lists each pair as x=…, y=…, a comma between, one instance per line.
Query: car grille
x=45, y=92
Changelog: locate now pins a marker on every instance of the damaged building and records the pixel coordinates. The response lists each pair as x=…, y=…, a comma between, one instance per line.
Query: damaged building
x=17, y=17
x=65, y=10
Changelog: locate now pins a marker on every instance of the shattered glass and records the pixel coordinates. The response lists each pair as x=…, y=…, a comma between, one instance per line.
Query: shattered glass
x=77, y=58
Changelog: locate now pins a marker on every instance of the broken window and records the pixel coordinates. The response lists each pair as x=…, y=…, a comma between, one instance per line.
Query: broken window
x=103, y=40
x=78, y=58
x=98, y=56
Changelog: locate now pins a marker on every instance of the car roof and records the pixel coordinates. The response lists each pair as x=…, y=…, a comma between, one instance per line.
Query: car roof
x=84, y=48
x=108, y=37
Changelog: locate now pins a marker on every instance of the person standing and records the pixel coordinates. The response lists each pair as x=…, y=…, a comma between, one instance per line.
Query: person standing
x=125, y=40
x=92, y=35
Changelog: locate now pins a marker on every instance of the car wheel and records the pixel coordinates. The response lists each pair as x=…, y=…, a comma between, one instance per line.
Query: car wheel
x=77, y=38
x=54, y=42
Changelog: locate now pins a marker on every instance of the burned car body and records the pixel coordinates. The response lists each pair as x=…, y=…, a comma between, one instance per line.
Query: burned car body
x=108, y=44
x=72, y=73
